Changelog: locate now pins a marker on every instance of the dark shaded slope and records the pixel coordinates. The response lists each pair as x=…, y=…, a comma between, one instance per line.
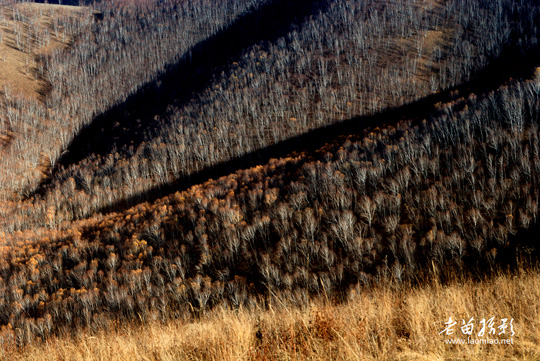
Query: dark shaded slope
x=124, y=124
x=512, y=64
x=141, y=114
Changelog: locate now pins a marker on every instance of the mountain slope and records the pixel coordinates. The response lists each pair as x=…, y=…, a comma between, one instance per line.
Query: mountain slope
x=354, y=144
x=458, y=193
x=308, y=79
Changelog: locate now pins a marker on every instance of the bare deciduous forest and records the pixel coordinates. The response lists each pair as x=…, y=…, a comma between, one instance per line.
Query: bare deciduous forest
x=164, y=160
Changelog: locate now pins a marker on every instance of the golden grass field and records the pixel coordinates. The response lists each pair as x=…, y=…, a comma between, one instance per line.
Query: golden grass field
x=384, y=323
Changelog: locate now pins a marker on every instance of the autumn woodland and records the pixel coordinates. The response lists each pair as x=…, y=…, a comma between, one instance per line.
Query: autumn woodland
x=171, y=166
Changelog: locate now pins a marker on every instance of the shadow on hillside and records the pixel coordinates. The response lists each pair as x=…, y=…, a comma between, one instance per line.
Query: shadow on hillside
x=193, y=73
x=513, y=64
x=126, y=123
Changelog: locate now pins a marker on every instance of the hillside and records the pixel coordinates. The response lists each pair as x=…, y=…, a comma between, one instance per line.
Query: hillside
x=190, y=128
x=177, y=158
x=28, y=33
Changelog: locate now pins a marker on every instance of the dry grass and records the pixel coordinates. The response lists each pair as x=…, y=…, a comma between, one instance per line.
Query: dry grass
x=18, y=68
x=29, y=33
x=380, y=324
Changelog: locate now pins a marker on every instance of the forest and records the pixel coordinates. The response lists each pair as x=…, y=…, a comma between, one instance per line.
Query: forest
x=164, y=160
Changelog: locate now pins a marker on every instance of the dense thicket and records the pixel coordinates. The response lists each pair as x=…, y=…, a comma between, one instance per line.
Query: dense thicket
x=457, y=191
x=110, y=58
x=454, y=191
x=355, y=58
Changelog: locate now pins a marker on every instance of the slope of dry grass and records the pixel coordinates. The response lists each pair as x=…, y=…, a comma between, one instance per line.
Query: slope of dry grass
x=386, y=323
x=29, y=35
x=28, y=31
